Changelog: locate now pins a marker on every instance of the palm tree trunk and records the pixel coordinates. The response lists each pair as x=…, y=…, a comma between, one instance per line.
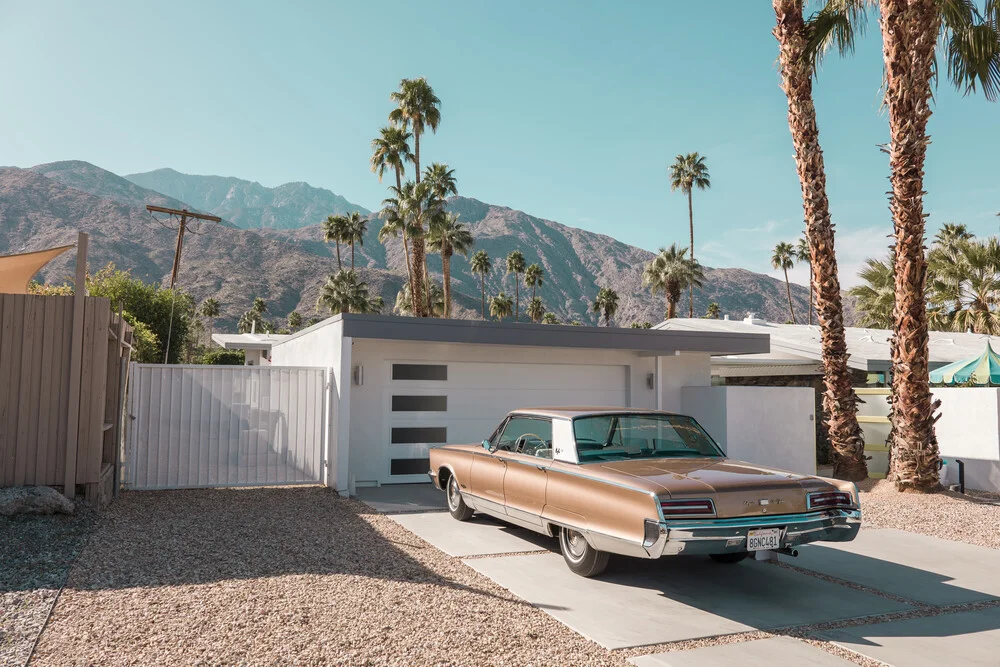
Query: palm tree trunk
x=417, y=293
x=691, y=228
x=446, y=272
x=788, y=291
x=671, y=309
x=406, y=246
x=340, y=266
x=352, y=256
x=909, y=35
x=517, y=296
x=482, y=283
x=840, y=403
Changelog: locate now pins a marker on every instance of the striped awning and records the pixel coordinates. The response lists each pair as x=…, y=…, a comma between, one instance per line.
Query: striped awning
x=16, y=271
x=982, y=370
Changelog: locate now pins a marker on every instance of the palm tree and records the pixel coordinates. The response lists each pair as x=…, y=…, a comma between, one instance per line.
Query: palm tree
x=343, y=292
x=713, y=311
x=951, y=234
x=797, y=69
x=393, y=226
x=515, y=265
x=500, y=306
x=449, y=236
x=535, y=309
x=210, y=310
x=686, y=173
x=802, y=255
x=783, y=258
x=550, y=318
x=641, y=325
x=335, y=229
x=354, y=232
x=875, y=295
x=911, y=30
x=406, y=208
x=392, y=150
x=294, y=320
x=253, y=321
x=259, y=306
x=671, y=271
x=442, y=180
x=480, y=266
x=534, y=276
x=965, y=285
x=417, y=107
x=606, y=304
x=404, y=304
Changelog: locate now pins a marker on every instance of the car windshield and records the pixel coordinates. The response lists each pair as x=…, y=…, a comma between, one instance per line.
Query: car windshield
x=640, y=436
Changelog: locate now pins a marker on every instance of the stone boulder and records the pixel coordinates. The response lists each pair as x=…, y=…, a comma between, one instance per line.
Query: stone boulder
x=33, y=500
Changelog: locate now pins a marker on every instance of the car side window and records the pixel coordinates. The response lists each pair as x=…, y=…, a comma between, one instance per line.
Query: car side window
x=531, y=436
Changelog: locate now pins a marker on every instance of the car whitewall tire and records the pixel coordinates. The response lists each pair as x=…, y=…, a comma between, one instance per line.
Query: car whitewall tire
x=581, y=558
x=456, y=505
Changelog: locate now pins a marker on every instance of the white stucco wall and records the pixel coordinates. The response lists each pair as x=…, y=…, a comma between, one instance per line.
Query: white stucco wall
x=324, y=345
x=770, y=426
x=969, y=429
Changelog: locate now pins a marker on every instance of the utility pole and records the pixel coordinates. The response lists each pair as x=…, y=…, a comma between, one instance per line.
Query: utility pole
x=184, y=215
x=181, y=229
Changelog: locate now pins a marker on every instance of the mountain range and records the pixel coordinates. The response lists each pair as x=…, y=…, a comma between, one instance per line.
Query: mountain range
x=269, y=245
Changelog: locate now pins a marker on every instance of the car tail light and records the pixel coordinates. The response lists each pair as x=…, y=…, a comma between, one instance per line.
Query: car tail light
x=829, y=500
x=687, y=507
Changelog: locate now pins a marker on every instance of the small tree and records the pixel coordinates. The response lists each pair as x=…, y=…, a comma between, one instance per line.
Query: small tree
x=535, y=309
x=550, y=318
x=294, y=320
x=713, y=311
x=501, y=306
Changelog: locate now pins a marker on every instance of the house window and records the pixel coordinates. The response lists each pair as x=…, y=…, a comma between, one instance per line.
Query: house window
x=409, y=466
x=419, y=403
x=432, y=372
x=413, y=435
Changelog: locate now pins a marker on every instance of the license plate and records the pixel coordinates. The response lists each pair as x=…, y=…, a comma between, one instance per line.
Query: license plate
x=764, y=539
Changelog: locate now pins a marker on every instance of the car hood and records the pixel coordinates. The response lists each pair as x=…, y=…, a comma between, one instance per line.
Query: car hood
x=737, y=488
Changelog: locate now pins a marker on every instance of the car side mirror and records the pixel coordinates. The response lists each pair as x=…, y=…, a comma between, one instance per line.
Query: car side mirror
x=486, y=445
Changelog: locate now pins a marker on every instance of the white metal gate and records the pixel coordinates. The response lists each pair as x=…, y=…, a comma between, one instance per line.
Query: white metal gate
x=210, y=426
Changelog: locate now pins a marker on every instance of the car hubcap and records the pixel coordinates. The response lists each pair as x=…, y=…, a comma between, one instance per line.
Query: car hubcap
x=453, y=496
x=575, y=544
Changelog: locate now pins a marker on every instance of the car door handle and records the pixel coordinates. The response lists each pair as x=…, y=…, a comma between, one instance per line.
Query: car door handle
x=540, y=467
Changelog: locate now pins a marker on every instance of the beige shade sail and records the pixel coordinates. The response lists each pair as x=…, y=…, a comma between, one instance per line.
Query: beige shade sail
x=16, y=271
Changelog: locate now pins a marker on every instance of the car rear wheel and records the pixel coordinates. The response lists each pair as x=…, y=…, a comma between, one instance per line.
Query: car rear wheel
x=731, y=557
x=581, y=558
x=456, y=505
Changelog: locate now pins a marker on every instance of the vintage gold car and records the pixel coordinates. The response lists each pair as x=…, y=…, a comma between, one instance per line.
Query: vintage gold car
x=639, y=483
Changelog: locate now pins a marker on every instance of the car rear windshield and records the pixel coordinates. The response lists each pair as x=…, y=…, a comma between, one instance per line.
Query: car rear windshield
x=637, y=436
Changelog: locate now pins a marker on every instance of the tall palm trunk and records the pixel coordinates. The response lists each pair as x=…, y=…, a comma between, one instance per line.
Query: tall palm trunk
x=352, y=256
x=788, y=291
x=419, y=249
x=517, y=295
x=406, y=247
x=691, y=228
x=840, y=403
x=812, y=296
x=482, y=283
x=909, y=34
x=339, y=265
x=446, y=273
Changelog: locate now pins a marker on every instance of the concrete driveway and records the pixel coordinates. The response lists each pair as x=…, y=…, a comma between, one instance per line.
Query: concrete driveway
x=897, y=597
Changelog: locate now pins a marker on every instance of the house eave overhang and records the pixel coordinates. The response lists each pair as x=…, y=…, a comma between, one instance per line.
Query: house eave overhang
x=476, y=332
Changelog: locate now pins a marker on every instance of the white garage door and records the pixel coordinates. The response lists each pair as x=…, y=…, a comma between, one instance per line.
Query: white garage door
x=430, y=404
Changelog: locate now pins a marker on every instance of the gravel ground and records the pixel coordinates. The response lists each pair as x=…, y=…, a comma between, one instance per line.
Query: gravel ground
x=286, y=576
x=36, y=553
x=972, y=518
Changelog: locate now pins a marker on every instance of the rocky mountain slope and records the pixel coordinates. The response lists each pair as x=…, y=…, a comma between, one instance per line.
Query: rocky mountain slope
x=248, y=204
x=45, y=205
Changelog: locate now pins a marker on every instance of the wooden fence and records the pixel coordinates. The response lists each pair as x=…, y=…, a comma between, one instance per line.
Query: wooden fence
x=50, y=370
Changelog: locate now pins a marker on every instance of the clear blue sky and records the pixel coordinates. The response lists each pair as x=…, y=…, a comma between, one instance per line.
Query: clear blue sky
x=567, y=110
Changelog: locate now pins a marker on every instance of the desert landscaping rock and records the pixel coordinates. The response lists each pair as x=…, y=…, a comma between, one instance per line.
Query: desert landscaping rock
x=773, y=651
x=36, y=553
x=972, y=518
x=17, y=500
x=280, y=576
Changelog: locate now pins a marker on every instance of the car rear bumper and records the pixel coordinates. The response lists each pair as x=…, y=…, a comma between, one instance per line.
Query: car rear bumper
x=716, y=536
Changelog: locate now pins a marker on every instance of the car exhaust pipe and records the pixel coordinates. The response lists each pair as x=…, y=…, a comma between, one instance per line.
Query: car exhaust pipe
x=788, y=551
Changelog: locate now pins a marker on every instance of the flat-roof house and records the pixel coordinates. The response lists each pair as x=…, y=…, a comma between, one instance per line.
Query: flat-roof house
x=402, y=384
x=256, y=346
